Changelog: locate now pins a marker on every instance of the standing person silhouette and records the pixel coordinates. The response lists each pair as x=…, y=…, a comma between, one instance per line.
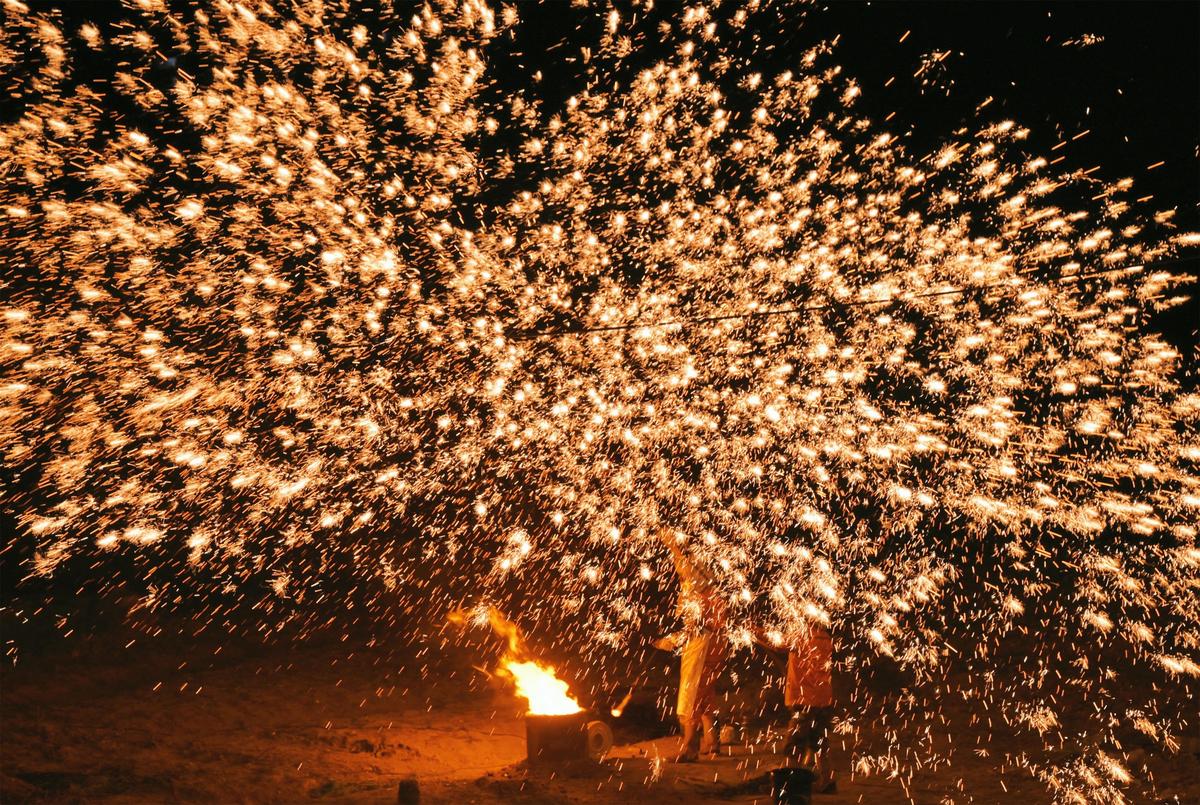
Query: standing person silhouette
x=705, y=651
x=808, y=692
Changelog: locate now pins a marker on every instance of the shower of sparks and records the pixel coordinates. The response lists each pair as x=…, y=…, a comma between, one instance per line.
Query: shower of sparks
x=267, y=322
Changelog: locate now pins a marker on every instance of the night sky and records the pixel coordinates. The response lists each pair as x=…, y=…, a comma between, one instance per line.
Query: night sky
x=1116, y=81
x=1125, y=75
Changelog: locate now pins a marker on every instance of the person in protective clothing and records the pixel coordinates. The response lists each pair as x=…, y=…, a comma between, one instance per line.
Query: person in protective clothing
x=705, y=651
x=808, y=693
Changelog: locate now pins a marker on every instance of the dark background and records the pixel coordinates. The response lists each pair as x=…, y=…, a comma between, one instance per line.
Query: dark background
x=1128, y=73
x=1136, y=92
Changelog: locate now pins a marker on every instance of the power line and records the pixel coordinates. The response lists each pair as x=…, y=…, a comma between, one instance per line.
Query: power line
x=790, y=311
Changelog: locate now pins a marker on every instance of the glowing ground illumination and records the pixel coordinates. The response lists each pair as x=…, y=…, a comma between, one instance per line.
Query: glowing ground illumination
x=270, y=329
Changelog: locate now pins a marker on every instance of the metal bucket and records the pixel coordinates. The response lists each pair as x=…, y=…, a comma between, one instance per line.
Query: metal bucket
x=792, y=785
x=556, y=740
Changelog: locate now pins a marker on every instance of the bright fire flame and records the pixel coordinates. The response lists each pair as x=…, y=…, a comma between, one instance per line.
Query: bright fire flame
x=536, y=683
x=546, y=693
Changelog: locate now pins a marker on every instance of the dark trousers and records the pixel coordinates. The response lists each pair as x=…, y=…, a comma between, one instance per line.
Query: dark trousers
x=810, y=730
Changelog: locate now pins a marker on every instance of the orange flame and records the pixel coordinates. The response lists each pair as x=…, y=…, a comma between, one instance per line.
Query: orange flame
x=547, y=694
x=536, y=683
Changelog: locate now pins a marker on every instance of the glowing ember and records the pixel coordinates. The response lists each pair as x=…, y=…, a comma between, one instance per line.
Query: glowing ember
x=547, y=694
x=620, y=708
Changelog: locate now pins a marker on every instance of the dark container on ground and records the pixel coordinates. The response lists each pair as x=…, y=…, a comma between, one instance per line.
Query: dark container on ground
x=409, y=792
x=555, y=740
x=792, y=785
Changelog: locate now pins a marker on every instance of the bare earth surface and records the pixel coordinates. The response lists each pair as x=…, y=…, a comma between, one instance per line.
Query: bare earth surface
x=326, y=724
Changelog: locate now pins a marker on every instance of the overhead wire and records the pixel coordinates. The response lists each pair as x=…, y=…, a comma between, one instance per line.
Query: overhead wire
x=788, y=311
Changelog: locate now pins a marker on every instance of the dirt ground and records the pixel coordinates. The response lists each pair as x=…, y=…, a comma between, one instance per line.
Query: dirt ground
x=322, y=722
